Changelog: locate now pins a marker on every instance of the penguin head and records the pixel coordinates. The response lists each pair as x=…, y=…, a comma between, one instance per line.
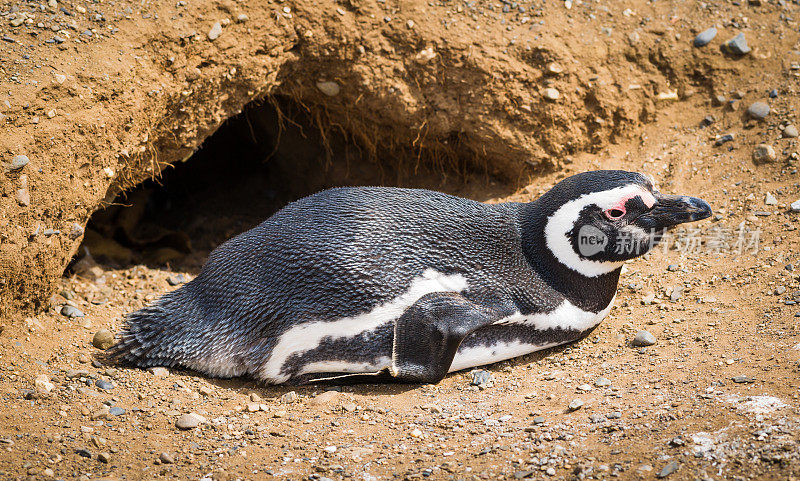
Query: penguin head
x=595, y=221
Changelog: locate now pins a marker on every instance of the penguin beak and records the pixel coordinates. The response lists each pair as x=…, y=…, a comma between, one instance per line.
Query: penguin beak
x=677, y=209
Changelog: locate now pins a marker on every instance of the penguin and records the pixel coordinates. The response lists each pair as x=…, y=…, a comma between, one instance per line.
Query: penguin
x=375, y=284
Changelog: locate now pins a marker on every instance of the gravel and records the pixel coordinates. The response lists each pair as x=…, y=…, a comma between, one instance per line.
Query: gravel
x=705, y=37
x=644, y=338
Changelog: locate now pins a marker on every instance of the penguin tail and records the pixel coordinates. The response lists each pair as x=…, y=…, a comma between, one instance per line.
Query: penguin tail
x=150, y=336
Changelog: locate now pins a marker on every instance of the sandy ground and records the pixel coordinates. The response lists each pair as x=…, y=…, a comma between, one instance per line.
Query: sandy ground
x=715, y=398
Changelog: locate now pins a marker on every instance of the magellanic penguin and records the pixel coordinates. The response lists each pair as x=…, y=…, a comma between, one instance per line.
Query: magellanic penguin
x=375, y=284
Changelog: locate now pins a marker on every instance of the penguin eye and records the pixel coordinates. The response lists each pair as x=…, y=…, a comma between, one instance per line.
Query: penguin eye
x=615, y=213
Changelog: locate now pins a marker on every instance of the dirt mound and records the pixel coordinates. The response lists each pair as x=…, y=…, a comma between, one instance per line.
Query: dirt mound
x=102, y=97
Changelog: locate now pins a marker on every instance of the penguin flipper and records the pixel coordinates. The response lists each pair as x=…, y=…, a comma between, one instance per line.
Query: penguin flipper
x=428, y=334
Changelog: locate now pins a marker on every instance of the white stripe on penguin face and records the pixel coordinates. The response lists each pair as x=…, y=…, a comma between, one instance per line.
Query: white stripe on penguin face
x=563, y=220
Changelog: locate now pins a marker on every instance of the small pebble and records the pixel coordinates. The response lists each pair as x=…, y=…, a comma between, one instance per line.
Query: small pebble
x=104, y=457
x=481, y=378
x=795, y=206
x=104, y=385
x=215, y=32
x=670, y=468
x=644, y=338
x=705, y=37
x=176, y=280
x=71, y=311
x=672, y=267
x=575, y=405
x=773, y=94
x=743, y=379
x=23, y=197
x=116, y=411
x=289, y=397
x=790, y=131
x=331, y=89
x=770, y=199
x=758, y=110
x=241, y=18
x=602, y=382
x=187, y=421
x=159, y=371
x=764, y=153
x=737, y=45
x=166, y=458
x=103, y=339
x=18, y=162
x=551, y=94
x=722, y=139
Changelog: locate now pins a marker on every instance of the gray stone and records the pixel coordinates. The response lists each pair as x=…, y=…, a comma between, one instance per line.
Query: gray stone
x=215, y=32
x=166, y=458
x=644, y=338
x=481, y=378
x=176, y=280
x=602, y=382
x=764, y=153
x=331, y=89
x=159, y=371
x=676, y=294
x=23, y=197
x=289, y=397
x=770, y=199
x=71, y=311
x=116, y=411
x=758, y=110
x=614, y=415
x=551, y=94
x=575, y=405
x=670, y=468
x=795, y=206
x=672, y=267
x=104, y=385
x=743, y=379
x=103, y=339
x=104, y=457
x=737, y=45
x=187, y=421
x=241, y=18
x=18, y=162
x=790, y=131
x=705, y=37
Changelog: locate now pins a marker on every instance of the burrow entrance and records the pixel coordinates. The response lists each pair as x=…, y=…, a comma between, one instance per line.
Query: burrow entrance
x=258, y=161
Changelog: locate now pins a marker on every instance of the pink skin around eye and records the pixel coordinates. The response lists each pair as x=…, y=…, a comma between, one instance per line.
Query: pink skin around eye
x=646, y=197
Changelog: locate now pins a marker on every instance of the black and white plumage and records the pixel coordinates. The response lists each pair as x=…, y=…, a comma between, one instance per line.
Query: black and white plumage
x=405, y=284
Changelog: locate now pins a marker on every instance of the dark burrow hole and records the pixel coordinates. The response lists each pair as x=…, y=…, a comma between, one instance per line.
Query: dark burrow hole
x=257, y=162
